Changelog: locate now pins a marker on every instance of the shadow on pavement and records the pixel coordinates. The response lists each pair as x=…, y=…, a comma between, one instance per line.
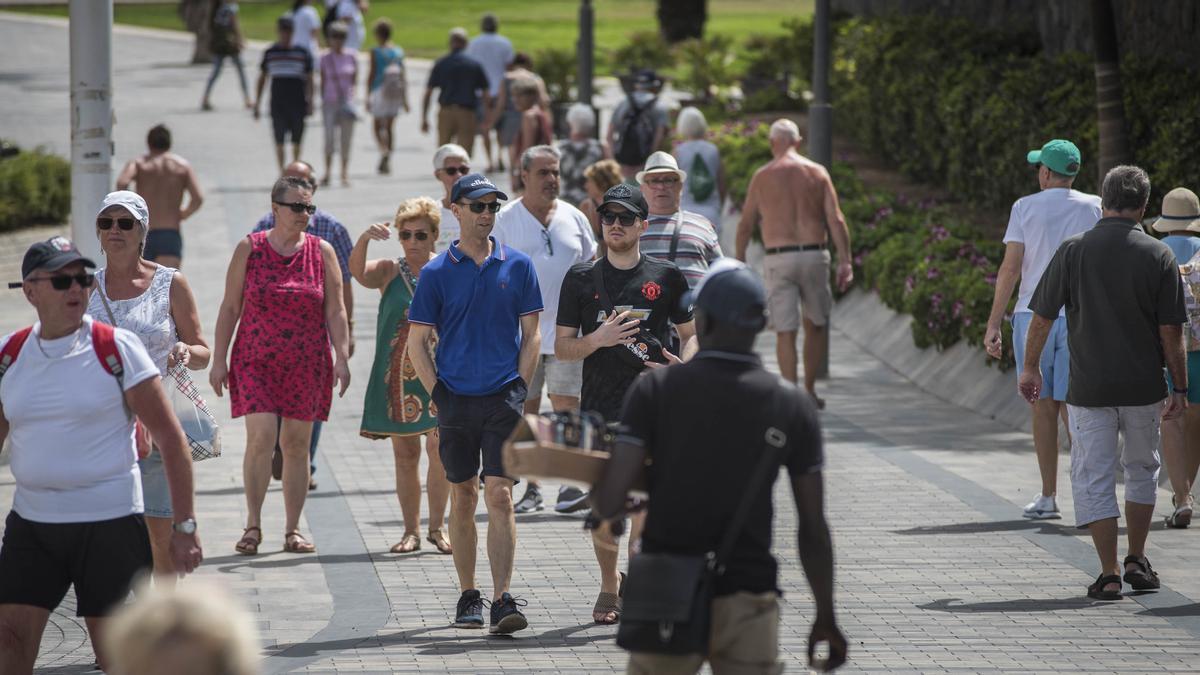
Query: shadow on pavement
x=1022, y=605
x=1043, y=526
x=1178, y=610
x=233, y=563
x=460, y=642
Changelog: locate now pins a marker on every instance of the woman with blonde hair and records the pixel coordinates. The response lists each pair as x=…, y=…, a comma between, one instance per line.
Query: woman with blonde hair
x=597, y=179
x=396, y=405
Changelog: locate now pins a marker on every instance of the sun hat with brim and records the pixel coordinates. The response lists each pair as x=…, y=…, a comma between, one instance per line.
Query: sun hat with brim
x=131, y=202
x=1180, y=211
x=1058, y=155
x=51, y=255
x=661, y=162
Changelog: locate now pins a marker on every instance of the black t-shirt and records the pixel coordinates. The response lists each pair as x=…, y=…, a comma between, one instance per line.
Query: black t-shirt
x=703, y=424
x=288, y=68
x=1119, y=285
x=458, y=77
x=652, y=290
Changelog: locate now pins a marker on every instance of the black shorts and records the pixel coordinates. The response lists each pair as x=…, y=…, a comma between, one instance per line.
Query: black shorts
x=473, y=426
x=40, y=561
x=288, y=124
x=163, y=242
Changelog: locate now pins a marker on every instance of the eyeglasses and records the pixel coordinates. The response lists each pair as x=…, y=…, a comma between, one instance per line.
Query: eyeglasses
x=106, y=223
x=480, y=207
x=62, y=282
x=662, y=182
x=300, y=207
x=548, y=242
x=610, y=218
x=407, y=234
x=458, y=170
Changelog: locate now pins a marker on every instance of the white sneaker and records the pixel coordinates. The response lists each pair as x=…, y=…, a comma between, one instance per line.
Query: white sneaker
x=1042, y=508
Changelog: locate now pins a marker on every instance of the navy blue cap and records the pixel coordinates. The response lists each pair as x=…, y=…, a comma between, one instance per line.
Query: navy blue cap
x=474, y=186
x=50, y=255
x=628, y=196
x=732, y=293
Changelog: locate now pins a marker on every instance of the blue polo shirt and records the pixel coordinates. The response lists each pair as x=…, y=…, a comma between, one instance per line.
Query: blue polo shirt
x=477, y=313
x=458, y=78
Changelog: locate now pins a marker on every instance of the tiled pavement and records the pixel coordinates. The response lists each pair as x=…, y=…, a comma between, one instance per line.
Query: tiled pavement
x=936, y=570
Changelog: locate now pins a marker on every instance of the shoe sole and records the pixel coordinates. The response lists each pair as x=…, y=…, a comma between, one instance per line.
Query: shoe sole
x=573, y=506
x=469, y=625
x=1141, y=583
x=539, y=507
x=509, y=624
x=1043, y=515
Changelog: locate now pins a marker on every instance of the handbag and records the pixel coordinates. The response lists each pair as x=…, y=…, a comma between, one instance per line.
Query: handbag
x=201, y=429
x=668, y=597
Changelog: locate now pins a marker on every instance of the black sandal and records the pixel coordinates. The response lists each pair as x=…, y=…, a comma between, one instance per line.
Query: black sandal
x=1144, y=579
x=1096, y=591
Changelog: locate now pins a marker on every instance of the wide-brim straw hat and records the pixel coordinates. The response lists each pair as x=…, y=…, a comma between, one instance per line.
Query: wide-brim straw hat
x=1180, y=211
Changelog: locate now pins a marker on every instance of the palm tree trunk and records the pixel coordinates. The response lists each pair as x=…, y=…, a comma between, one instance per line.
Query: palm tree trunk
x=1110, y=106
x=197, y=18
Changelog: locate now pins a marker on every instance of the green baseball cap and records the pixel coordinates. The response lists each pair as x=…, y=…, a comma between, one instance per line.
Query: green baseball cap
x=1059, y=156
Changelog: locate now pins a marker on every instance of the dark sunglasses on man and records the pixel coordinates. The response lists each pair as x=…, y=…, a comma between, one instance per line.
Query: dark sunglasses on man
x=406, y=235
x=105, y=223
x=480, y=207
x=610, y=218
x=299, y=207
x=62, y=282
x=458, y=170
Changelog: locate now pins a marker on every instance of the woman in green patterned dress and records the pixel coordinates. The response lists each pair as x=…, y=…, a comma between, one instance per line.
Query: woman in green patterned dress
x=396, y=405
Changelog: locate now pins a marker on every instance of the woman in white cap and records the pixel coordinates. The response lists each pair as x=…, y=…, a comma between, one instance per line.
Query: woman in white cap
x=156, y=304
x=1180, y=220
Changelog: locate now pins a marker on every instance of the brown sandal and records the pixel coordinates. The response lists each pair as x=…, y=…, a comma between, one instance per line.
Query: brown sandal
x=438, y=539
x=294, y=542
x=248, y=545
x=609, y=604
x=409, y=543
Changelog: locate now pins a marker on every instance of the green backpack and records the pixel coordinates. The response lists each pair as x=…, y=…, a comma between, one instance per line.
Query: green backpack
x=701, y=182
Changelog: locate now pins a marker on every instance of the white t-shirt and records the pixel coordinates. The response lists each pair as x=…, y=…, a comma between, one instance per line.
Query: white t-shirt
x=349, y=12
x=570, y=238
x=1041, y=221
x=73, y=453
x=304, y=22
x=448, y=231
x=494, y=52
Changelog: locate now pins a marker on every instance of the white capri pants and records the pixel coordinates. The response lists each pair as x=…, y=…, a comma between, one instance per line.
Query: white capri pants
x=1095, y=458
x=338, y=130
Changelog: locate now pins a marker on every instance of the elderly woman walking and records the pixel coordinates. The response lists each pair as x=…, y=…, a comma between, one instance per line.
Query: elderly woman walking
x=284, y=288
x=157, y=305
x=339, y=71
x=396, y=404
x=704, y=189
x=579, y=150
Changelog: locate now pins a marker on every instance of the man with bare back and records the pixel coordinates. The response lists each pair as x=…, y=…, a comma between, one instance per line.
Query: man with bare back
x=793, y=202
x=161, y=177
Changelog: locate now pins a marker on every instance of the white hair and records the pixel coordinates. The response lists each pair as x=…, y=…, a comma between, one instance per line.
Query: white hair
x=581, y=118
x=785, y=129
x=446, y=152
x=691, y=123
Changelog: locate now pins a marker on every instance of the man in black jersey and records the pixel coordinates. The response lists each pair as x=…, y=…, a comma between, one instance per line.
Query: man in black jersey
x=625, y=322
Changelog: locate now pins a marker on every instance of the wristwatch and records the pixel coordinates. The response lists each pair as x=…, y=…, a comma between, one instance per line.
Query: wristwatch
x=185, y=526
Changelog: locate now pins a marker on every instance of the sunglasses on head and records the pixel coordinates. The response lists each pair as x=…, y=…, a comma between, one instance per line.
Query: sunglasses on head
x=62, y=282
x=299, y=207
x=106, y=223
x=611, y=217
x=407, y=234
x=480, y=207
x=458, y=170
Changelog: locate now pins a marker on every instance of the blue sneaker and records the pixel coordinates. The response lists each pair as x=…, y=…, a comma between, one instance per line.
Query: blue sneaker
x=470, y=610
x=506, y=617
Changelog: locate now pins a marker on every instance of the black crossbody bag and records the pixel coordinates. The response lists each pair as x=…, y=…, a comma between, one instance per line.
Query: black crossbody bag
x=668, y=597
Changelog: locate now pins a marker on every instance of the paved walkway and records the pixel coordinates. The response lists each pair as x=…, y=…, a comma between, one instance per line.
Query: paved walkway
x=936, y=569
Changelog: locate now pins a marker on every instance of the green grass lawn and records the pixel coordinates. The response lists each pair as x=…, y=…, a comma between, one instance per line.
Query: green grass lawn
x=532, y=25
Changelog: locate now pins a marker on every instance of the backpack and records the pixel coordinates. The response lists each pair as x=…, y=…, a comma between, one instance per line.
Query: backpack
x=635, y=137
x=104, y=343
x=392, y=88
x=700, y=182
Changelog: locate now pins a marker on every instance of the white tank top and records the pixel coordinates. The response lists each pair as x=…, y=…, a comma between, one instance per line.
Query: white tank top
x=148, y=315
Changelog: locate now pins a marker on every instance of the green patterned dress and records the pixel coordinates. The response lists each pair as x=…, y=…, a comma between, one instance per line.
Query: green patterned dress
x=396, y=402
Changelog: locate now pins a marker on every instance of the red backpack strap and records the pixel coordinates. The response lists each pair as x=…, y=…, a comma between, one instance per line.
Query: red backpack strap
x=12, y=348
x=104, y=342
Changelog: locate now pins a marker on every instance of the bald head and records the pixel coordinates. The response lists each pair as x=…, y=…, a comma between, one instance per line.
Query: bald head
x=302, y=170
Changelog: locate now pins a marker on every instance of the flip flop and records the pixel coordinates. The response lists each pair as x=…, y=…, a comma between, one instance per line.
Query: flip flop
x=409, y=543
x=248, y=545
x=438, y=539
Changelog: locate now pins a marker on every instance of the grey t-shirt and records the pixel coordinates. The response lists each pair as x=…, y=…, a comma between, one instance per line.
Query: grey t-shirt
x=1119, y=285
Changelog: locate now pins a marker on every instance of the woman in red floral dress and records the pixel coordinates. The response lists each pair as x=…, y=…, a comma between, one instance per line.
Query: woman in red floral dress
x=284, y=287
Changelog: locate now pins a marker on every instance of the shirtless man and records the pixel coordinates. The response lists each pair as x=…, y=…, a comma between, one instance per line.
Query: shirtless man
x=161, y=177
x=793, y=201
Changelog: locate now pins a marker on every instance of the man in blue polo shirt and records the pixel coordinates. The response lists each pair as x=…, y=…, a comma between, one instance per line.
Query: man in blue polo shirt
x=483, y=299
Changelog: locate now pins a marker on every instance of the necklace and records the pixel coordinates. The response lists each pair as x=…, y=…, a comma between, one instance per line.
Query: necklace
x=74, y=344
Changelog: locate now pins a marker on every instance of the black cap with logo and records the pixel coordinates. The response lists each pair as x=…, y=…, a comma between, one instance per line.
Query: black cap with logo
x=50, y=255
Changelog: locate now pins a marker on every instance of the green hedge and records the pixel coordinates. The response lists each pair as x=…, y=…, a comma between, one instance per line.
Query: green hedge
x=35, y=188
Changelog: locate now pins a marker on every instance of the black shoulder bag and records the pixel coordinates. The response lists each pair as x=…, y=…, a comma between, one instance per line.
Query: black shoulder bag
x=645, y=347
x=668, y=597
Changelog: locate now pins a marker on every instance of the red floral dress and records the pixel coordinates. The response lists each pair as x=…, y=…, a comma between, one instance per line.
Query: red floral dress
x=282, y=363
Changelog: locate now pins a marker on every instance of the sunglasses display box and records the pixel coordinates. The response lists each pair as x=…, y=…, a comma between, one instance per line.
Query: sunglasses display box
x=530, y=453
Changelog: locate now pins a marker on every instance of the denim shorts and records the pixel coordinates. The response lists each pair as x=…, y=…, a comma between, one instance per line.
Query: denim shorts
x=473, y=429
x=155, y=492
x=1056, y=356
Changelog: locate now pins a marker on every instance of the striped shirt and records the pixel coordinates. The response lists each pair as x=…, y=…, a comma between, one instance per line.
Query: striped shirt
x=287, y=62
x=698, y=245
x=326, y=227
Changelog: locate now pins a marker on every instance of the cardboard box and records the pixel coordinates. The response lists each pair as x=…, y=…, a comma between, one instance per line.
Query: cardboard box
x=529, y=454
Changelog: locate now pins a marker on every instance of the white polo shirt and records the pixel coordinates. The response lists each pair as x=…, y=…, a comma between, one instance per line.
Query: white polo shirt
x=448, y=231
x=554, y=249
x=73, y=452
x=1041, y=222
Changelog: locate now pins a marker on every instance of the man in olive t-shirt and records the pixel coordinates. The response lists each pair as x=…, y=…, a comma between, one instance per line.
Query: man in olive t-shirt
x=1125, y=315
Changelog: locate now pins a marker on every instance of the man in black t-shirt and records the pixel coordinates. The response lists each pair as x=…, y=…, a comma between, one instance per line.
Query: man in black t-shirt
x=290, y=70
x=705, y=425
x=645, y=297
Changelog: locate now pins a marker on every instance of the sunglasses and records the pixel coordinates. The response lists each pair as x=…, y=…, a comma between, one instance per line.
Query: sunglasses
x=610, y=218
x=299, y=207
x=480, y=207
x=662, y=182
x=106, y=224
x=62, y=282
x=406, y=235
x=458, y=170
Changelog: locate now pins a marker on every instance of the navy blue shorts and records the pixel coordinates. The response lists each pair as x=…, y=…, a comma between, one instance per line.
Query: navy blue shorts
x=163, y=242
x=472, y=428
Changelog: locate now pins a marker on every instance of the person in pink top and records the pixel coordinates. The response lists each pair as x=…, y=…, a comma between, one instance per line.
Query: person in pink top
x=284, y=288
x=339, y=72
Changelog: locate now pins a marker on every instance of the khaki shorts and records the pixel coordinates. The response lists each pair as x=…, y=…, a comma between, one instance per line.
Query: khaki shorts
x=797, y=280
x=744, y=640
x=562, y=378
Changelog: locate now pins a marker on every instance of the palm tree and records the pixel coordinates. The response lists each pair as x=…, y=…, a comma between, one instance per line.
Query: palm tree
x=679, y=20
x=1110, y=107
x=197, y=18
